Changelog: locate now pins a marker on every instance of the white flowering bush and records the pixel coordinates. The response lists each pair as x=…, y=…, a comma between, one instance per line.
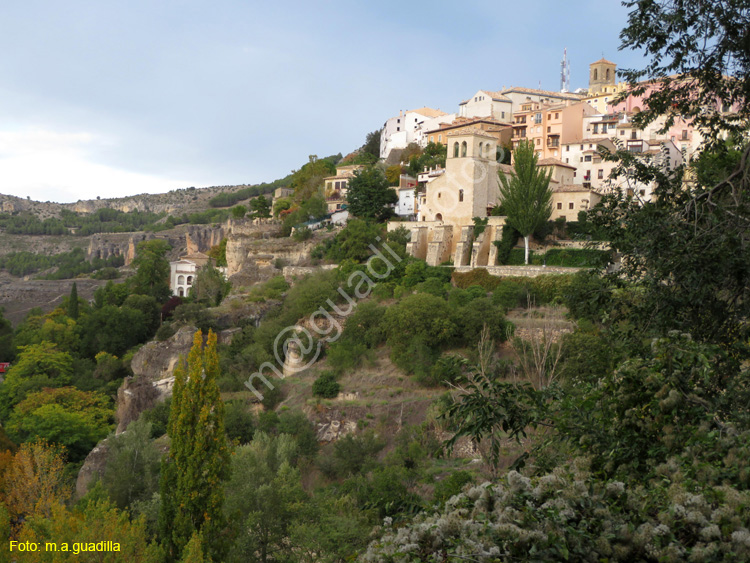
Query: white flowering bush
x=568, y=515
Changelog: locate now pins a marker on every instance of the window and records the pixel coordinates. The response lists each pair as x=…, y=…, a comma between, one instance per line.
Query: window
x=600, y=174
x=480, y=149
x=622, y=132
x=567, y=161
x=559, y=205
x=398, y=128
x=415, y=120
x=684, y=135
x=537, y=141
x=538, y=118
x=549, y=129
x=587, y=158
x=180, y=280
x=440, y=139
x=460, y=195
x=440, y=194
x=398, y=121
x=607, y=74
x=567, y=148
x=190, y=280
x=549, y=116
x=463, y=148
x=571, y=205
x=604, y=127
x=432, y=138
x=182, y=292
x=596, y=128
x=581, y=147
x=557, y=115
x=502, y=115
x=574, y=173
x=596, y=74
x=455, y=150
x=633, y=135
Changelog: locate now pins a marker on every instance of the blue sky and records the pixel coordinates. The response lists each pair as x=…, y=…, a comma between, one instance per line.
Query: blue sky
x=114, y=98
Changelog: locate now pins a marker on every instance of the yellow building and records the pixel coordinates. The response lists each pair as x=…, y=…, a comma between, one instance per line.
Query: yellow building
x=500, y=130
x=336, y=186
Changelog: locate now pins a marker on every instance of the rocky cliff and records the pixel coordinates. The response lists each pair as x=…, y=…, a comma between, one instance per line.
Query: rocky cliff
x=184, y=239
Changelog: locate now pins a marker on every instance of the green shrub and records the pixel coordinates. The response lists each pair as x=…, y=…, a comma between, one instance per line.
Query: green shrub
x=573, y=258
x=433, y=286
x=446, y=370
x=302, y=234
x=383, y=290
x=478, y=276
x=326, y=385
x=351, y=454
x=158, y=417
x=452, y=485
x=346, y=356
x=510, y=294
x=239, y=422
x=506, y=243
x=472, y=317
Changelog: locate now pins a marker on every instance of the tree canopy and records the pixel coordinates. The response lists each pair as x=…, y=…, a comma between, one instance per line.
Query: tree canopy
x=369, y=196
x=526, y=197
x=152, y=269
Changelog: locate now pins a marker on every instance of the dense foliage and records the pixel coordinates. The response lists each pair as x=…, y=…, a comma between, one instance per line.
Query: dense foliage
x=67, y=264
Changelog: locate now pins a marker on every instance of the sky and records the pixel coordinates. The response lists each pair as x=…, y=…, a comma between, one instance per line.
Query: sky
x=110, y=98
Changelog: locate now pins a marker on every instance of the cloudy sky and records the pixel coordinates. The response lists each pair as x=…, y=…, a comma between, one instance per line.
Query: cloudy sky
x=113, y=98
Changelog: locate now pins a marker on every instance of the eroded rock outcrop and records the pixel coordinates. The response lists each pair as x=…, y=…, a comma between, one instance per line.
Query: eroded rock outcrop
x=152, y=381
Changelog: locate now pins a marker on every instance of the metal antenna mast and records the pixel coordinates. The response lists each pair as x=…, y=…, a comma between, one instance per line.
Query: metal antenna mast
x=565, y=72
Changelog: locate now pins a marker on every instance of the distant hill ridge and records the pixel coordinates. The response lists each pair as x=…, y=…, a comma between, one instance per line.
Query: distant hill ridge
x=183, y=200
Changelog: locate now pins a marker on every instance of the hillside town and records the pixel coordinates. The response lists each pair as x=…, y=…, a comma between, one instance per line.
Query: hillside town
x=514, y=329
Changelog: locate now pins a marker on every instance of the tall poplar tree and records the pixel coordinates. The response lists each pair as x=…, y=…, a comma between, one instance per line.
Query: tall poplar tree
x=526, y=197
x=73, y=302
x=191, y=484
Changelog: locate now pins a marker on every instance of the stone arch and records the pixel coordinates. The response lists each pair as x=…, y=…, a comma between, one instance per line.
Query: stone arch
x=439, y=217
x=464, y=148
x=455, y=149
x=596, y=74
x=180, y=280
x=181, y=292
x=607, y=74
x=190, y=280
x=481, y=146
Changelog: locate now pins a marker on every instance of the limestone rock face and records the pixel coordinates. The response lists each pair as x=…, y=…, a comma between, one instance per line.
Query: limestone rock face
x=258, y=257
x=335, y=429
x=152, y=383
x=156, y=360
x=137, y=395
x=93, y=465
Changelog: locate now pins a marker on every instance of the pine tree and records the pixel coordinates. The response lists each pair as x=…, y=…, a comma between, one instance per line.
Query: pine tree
x=198, y=461
x=73, y=302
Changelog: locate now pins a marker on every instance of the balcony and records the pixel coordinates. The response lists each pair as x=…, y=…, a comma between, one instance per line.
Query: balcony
x=553, y=143
x=635, y=146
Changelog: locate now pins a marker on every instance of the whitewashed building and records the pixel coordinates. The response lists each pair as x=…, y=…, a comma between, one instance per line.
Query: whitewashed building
x=409, y=127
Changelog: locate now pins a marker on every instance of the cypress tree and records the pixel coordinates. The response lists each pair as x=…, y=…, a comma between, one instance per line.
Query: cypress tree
x=198, y=461
x=73, y=302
